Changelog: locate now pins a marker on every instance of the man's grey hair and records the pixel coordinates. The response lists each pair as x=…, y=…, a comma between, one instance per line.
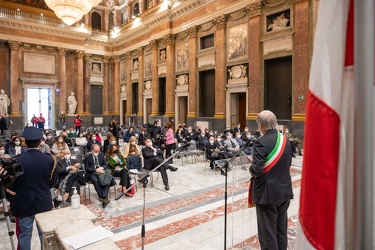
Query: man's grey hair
x=267, y=120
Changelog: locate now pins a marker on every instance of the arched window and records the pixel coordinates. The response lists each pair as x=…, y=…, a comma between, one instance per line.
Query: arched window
x=96, y=21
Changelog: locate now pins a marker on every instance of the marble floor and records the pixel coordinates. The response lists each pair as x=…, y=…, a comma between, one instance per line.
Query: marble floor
x=188, y=216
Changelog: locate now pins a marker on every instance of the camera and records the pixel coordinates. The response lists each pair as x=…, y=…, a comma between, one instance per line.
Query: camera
x=12, y=168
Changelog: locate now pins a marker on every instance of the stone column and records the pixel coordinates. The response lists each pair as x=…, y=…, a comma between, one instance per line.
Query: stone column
x=80, y=96
x=106, y=86
x=14, y=76
x=140, y=82
x=86, y=86
x=87, y=20
x=155, y=79
x=116, y=87
x=254, y=55
x=62, y=78
x=106, y=20
x=220, y=63
x=129, y=91
x=301, y=59
x=192, y=105
x=170, y=77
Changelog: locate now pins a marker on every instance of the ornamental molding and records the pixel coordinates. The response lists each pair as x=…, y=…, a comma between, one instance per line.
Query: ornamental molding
x=237, y=72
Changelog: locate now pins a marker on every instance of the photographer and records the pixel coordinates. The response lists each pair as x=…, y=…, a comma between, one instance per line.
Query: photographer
x=32, y=188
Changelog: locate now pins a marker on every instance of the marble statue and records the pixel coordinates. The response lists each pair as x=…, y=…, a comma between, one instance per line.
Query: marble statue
x=72, y=104
x=4, y=103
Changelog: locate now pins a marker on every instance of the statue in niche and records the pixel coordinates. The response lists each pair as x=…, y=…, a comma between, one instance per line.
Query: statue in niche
x=135, y=64
x=163, y=55
x=278, y=23
x=4, y=103
x=72, y=102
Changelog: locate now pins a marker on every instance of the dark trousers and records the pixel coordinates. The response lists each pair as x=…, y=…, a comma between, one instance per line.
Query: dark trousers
x=163, y=169
x=71, y=182
x=102, y=191
x=169, y=148
x=272, y=226
x=124, y=175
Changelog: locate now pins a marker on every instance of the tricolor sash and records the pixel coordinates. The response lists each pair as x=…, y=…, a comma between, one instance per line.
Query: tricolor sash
x=271, y=160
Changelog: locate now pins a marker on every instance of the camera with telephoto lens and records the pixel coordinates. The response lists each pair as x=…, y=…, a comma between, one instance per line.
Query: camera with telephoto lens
x=12, y=168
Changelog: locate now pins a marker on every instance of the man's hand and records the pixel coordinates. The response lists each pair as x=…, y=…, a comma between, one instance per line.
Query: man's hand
x=11, y=192
x=100, y=170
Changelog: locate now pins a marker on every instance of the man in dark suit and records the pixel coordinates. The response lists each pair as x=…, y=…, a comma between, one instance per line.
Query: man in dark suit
x=68, y=169
x=153, y=157
x=32, y=189
x=96, y=164
x=272, y=185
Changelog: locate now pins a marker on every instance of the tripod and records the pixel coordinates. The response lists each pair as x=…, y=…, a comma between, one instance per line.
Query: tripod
x=144, y=182
x=6, y=214
x=225, y=167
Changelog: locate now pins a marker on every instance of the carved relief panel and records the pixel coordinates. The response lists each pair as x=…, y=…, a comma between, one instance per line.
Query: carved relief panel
x=123, y=75
x=148, y=65
x=237, y=42
x=278, y=21
x=182, y=56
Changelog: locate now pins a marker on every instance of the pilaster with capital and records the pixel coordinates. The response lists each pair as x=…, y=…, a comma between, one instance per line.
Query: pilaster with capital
x=14, y=76
x=86, y=86
x=192, y=99
x=106, y=20
x=171, y=75
x=254, y=55
x=140, y=81
x=80, y=97
x=116, y=87
x=62, y=79
x=106, y=86
x=220, y=63
x=129, y=93
x=155, y=80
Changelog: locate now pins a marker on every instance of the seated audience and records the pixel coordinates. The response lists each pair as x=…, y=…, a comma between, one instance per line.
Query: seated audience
x=44, y=147
x=72, y=133
x=142, y=137
x=153, y=157
x=107, y=142
x=231, y=145
x=129, y=133
x=67, y=140
x=190, y=135
x=295, y=142
x=239, y=139
x=132, y=153
x=81, y=140
x=214, y=151
x=95, y=164
x=92, y=140
x=49, y=140
x=17, y=147
x=117, y=164
x=59, y=146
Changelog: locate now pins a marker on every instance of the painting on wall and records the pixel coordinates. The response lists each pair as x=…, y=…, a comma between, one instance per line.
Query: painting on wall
x=182, y=55
x=123, y=72
x=148, y=65
x=237, y=42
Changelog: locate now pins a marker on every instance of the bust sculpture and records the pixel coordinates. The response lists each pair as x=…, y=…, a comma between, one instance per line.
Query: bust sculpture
x=72, y=102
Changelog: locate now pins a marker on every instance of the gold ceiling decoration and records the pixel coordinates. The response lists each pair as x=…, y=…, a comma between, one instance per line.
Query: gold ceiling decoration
x=71, y=11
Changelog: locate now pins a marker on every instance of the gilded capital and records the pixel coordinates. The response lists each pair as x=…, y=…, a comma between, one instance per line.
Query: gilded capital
x=193, y=31
x=170, y=38
x=106, y=59
x=116, y=58
x=140, y=50
x=14, y=45
x=62, y=51
x=87, y=56
x=154, y=44
x=80, y=53
x=220, y=22
x=128, y=55
x=254, y=9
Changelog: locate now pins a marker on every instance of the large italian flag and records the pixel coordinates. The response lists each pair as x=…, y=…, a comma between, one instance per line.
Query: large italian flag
x=326, y=189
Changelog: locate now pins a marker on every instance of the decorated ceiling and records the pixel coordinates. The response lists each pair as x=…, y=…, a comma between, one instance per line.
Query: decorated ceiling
x=32, y=3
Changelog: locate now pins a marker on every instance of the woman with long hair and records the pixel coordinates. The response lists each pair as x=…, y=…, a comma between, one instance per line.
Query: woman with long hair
x=170, y=142
x=59, y=146
x=117, y=164
x=132, y=153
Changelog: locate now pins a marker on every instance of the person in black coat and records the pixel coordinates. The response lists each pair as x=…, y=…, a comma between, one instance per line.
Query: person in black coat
x=271, y=190
x=3, y=124
x=96, y=164
x=155, y=133
x=32, y=188
x=152, y=158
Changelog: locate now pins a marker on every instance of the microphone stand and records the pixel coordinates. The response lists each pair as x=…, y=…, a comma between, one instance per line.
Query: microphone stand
x=6, y=214
x=144, y=182
x=226, y=188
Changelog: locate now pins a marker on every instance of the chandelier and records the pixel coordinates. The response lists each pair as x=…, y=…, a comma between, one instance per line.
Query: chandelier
x=71, y=11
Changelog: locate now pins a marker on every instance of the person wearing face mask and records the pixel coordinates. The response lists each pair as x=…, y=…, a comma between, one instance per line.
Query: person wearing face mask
x=213, y=152
x=92, y=140
x=231, y=145
x=68, y=169
x=117, y=164
x=153, y=157
x=17, y=147
x=243, y=135
x=43, y=147
x=111, y=141
x=49, y=140
x=295, y=142
x=237, y=129
x=2, y=152
x=142, y=137
x=132, y=154
x=81, y=140
x=155, y=133
x=107, y=141
x=129, y=133
x=228, y=129
x=95, y=164
x=248, y=137
x=72, y=133
x=59, y=146
x=202, y=141
x=239, y=139
x=190, y=135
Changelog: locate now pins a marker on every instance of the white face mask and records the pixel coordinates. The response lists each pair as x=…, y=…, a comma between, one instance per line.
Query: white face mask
x=149, y=144
x=286, y=131
x=212, y=142
x=80, y=135
x=218, y=139
x=229, y=137
x=17, y=143
x=67, y=157
x=248, y=136
x=60, y=140
x=132, y=143
x=2, y=152
x=42, y=143
x=246, y=130
x=238, y=136
x=113, y=142
x=49, y=137
x=93, y=138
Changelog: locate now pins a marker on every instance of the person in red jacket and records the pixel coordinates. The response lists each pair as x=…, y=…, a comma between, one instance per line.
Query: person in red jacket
x=78, y=122
x=34, y=121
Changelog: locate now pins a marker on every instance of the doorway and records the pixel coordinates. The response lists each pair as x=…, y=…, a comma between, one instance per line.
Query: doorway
x=207, y=93
x=148, y=108
x=162, y=95
x=238, y=109
x=278, y=87
x=96, y=100
x=39, y=100
x=124, y=110
x=182, y=109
